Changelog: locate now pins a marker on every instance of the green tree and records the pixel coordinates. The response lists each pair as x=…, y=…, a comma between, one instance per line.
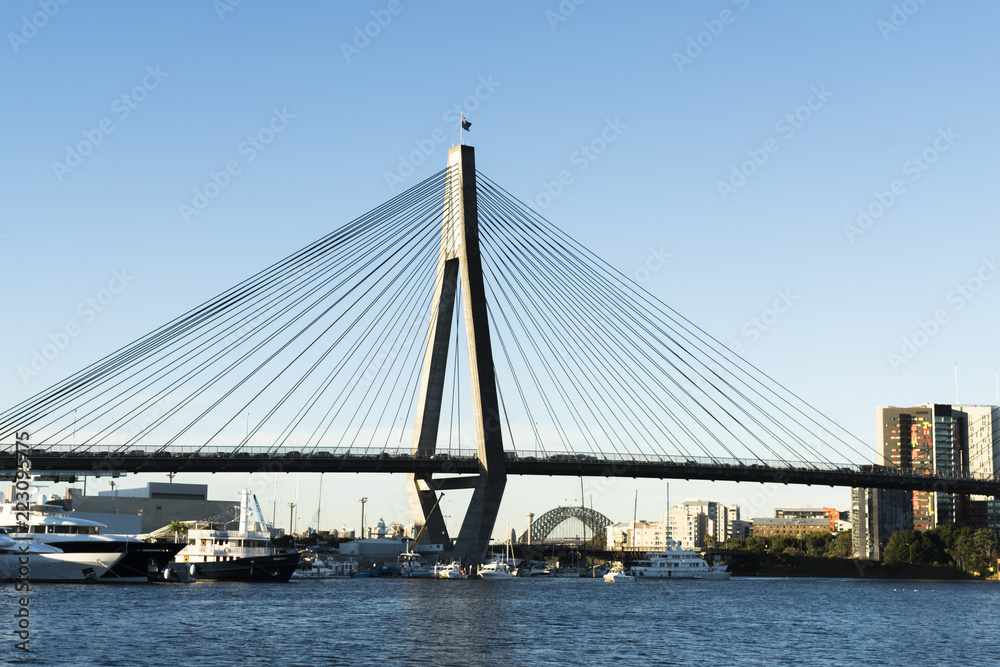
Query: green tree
x=756, y=543
x=177, y=527
x=816, y=542
x=988, y=543
x=841, y=546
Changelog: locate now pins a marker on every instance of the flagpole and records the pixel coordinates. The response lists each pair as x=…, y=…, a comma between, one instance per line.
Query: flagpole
x=461, y=126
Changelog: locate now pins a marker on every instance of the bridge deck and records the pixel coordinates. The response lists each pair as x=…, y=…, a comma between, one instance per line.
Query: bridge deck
x=61, y=458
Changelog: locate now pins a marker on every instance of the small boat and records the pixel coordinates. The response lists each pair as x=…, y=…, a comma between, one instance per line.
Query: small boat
x=325, y=569
x=412, y=565
x=617, y=574
x=496, y=569
x=677, y=563
x=540, y=571
x=452, y=570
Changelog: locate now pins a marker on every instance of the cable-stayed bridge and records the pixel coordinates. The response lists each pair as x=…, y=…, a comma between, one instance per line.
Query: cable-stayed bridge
x=454, y=335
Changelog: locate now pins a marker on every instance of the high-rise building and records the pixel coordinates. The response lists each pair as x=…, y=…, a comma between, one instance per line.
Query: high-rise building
x=944, y=439
x=875, y=515
x=926, y=439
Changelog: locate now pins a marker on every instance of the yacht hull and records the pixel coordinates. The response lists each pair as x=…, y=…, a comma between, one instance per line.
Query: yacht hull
x=273, y=567
x=56, y=567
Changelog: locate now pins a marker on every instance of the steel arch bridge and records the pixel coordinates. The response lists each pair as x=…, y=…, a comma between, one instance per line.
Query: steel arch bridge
x=546, y=523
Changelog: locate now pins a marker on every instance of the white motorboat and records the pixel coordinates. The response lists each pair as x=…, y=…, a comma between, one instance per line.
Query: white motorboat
x=30, y=561
x=617, y=574
x=452, y=570
x=130, y=559
x=496, y=569
x=325, y=569
x=677, y=563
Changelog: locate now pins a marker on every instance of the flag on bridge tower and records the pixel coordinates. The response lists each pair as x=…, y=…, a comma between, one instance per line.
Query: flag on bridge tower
x=466, y=125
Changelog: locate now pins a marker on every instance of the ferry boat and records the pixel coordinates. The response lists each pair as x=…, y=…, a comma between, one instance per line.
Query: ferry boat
x=677, y=563
x=217, y=554
x=126, y=558
x=617, y=575
x=27, y=560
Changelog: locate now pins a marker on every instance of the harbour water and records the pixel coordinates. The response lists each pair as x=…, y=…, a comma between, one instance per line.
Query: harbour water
x=538, y=621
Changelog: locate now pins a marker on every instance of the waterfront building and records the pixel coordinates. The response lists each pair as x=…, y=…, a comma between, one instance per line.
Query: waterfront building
x=809, y=512
x=788, y=526
x=157, y=504
x=875, y=515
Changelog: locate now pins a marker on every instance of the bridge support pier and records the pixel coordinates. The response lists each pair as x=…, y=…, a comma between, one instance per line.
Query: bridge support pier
x=460, y=262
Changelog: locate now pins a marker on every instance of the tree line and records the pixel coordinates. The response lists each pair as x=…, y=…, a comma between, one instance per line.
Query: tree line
x=818, y=543
x=973, y=550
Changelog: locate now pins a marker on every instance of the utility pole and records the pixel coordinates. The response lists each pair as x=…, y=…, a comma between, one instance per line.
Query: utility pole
x=362, y=501
x=291, y=521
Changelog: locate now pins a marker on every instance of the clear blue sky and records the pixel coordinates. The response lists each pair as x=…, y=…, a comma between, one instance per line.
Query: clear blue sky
x=693, y=90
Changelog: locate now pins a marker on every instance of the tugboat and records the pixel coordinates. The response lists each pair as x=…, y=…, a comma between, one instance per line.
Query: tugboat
x=218, y=554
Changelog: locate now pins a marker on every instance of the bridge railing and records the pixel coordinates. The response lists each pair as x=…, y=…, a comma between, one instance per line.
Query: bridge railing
x=521, y=455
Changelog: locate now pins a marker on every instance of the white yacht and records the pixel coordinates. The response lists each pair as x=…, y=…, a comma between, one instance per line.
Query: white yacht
x=129, y=559
x=30, y=561
x=452, y=570
x=496, y=569
x=617, y=575
x=325, y=569
x=677, y=563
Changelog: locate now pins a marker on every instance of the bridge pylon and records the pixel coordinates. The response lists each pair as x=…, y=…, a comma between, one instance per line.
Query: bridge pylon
x=459, y=260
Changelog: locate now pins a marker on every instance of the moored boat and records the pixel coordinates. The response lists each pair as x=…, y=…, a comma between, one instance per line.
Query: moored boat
x=496, y=569
x=128, y=558
x=677, y=563
x=217, y=554
x=30, y=562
